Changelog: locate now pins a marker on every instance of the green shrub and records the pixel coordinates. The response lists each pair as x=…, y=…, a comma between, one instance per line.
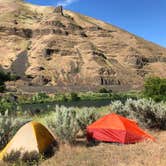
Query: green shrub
x=74, y=96
x=67, y=122
x=155, y=88
x=86, y=116
x=118, y=107
x=6, y=105
x=104, y=90
x=2, y=87
x=5, y=77
x=64, y=98
x=8, y=127
x=40, y=97
x=123, y=96
x=146, y=112
x=64, y=123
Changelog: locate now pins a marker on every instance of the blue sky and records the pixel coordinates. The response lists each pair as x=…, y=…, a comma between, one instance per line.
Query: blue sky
x=145, y=18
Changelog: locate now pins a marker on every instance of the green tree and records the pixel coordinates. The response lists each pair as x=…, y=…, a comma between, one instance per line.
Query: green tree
x=155, y=88
x=3, y=77
x=6, y=77
x=74, y=96
x=104, y=90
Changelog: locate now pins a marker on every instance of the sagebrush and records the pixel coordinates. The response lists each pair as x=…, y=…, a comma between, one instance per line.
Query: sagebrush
x=67, y=122
x=147, y=112
x=8, y=127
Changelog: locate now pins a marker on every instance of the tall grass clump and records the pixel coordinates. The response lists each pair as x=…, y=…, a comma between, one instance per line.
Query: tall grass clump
x=147, y=112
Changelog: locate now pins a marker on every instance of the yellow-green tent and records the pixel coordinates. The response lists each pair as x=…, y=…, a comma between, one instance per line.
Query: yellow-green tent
x=31, y=137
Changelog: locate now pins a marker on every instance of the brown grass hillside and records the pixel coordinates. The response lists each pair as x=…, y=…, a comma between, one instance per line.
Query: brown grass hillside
x=56, y=49
x=105, y=154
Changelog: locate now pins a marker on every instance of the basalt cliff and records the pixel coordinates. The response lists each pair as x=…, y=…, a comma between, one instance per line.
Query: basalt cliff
x=53, y=49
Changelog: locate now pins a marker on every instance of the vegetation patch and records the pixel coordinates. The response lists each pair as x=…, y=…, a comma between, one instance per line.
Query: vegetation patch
x=9, y=126
x=147, y=112
x=6, y=77
x=155, y=88
x=67, y=122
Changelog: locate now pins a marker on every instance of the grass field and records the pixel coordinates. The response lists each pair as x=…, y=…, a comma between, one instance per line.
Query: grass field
x=105, y=154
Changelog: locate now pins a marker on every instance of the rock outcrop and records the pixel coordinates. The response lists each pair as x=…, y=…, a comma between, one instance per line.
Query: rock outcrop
x=59, y=10
x=52, y=48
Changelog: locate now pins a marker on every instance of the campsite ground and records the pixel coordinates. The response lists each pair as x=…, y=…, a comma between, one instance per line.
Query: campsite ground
x=105, y=154
x=141, y=154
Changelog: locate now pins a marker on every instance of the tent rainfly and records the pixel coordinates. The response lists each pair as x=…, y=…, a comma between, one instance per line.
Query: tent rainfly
x=32, y=137
x=116, y=128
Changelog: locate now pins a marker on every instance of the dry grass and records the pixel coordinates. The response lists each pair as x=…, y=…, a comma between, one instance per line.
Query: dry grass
x=142, y=154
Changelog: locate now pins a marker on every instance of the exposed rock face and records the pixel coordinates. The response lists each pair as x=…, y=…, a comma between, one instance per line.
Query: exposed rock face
x=137, y=61
x=22, y=32
x=55, y=23
x=20, y=65
x=51, y=47
x=59, y=9
x=41, y=80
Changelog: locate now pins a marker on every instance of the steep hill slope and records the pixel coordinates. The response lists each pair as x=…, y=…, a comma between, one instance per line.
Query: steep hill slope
x=49, y=48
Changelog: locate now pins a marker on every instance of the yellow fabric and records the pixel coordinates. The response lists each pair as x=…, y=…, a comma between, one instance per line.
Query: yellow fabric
x=2, y=153
x=40, y=133
x=32, y=136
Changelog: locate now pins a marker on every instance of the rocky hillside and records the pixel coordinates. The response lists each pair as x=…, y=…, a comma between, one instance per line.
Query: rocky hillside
x=54, y=49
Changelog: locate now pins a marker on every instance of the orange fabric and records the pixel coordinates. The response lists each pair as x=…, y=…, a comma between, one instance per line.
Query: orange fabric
x=117, y=128
x=108, y=122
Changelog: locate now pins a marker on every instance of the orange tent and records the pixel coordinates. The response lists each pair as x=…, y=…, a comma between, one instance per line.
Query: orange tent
x=116, y=128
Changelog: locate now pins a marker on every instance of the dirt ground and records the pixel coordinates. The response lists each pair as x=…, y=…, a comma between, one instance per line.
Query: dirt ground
x=105, y=154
